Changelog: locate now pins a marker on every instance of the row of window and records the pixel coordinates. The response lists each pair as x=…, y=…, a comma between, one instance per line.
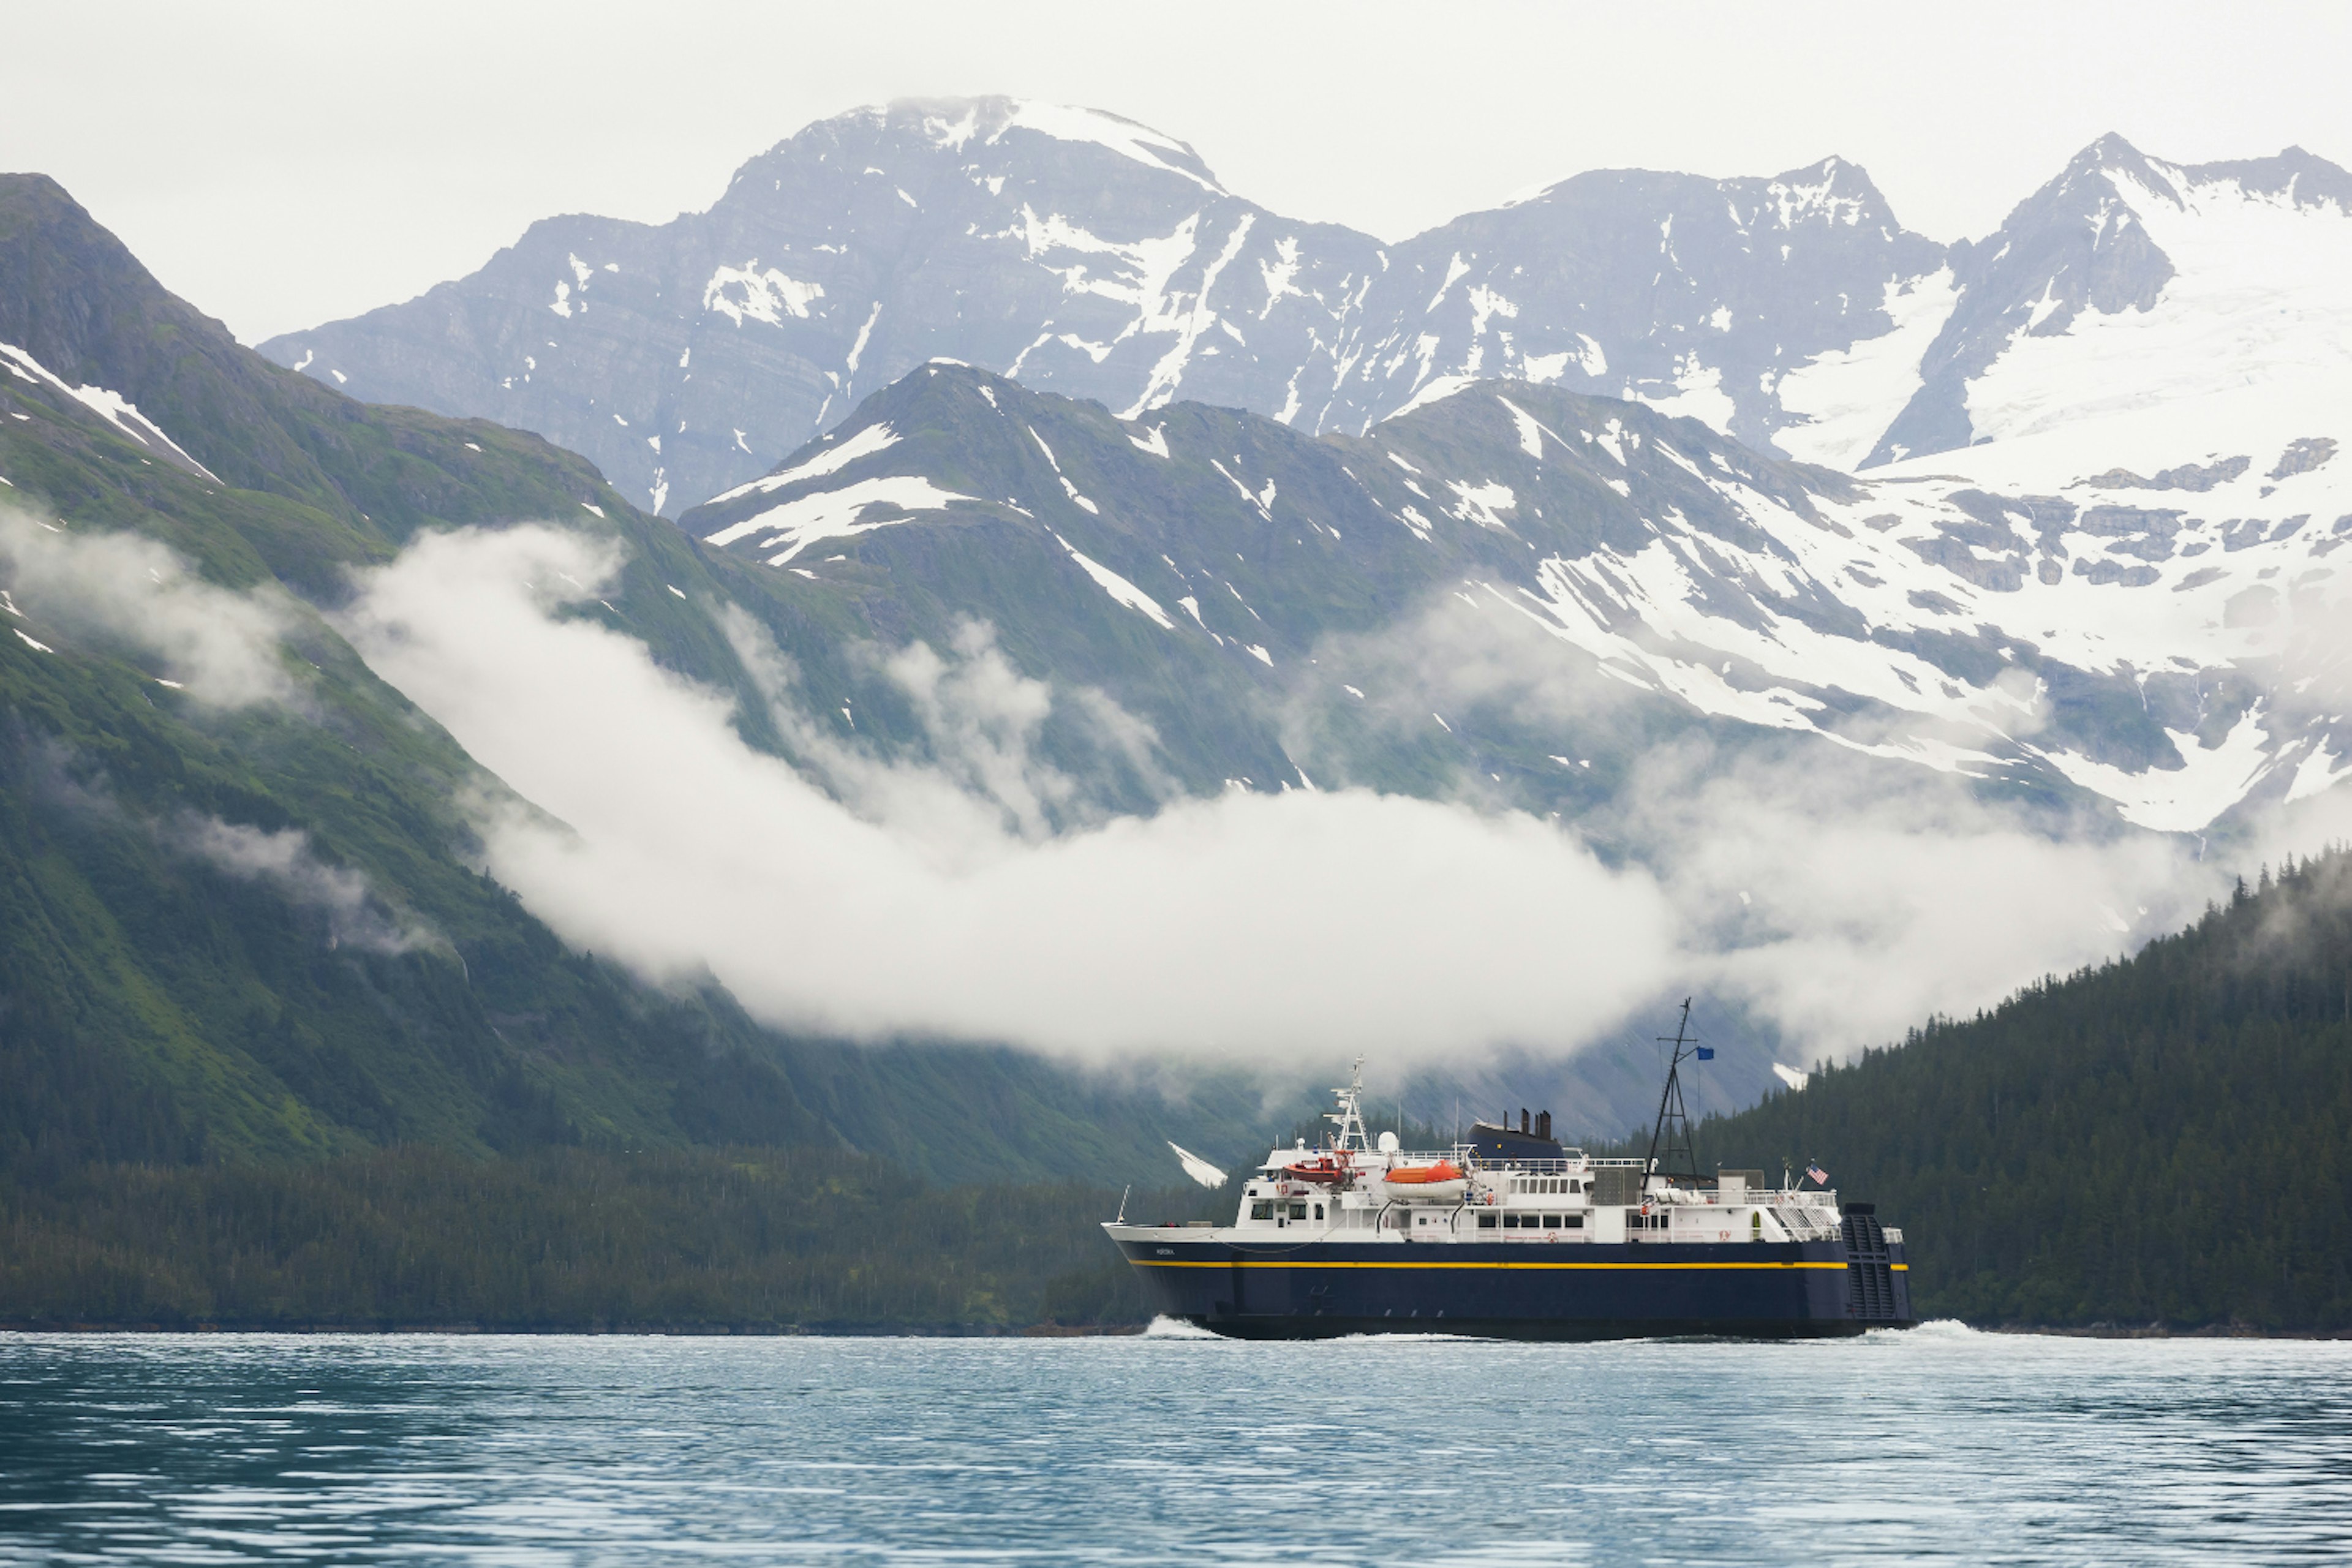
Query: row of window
x=1532, y=1221
x=1546, y=1185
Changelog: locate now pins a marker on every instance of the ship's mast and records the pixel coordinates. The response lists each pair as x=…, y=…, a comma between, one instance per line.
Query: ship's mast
x=1349, y=1117
x=1671, y=1133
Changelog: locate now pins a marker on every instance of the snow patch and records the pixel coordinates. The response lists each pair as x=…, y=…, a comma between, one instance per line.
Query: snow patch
x=749, y=293
x=838, y=514
x=1125, y=137
x=875, y=437
x=1119, y=587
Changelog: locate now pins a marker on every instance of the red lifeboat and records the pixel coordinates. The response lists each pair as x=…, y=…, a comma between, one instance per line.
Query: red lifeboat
x=1323, y=1171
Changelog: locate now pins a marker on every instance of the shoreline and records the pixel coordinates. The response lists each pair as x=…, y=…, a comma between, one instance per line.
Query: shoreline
x=1034, y=1331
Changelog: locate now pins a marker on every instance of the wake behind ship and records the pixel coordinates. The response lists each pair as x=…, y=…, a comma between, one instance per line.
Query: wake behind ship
x=1511, y=1234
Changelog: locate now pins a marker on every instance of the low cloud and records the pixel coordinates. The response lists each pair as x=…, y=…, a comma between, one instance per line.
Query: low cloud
x=1845, y=900
x=1836, y=897
x=357, y=916
x=1275, y=929
x=131, y=593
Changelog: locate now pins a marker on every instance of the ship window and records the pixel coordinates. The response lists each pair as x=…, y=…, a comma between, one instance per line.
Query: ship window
x=1262, y=1209
x=1510, y=1221
x=1551, y=1222
x=1298, y=1211
x=1575, y=1186
x=1318, y=1211
x=1575, y=1222
x=1485, y=1221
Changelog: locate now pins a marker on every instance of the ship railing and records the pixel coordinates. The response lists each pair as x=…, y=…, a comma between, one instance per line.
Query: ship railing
x=1574, y=1160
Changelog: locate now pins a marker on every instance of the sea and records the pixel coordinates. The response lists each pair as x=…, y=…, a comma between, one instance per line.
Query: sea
x=1938, y=1445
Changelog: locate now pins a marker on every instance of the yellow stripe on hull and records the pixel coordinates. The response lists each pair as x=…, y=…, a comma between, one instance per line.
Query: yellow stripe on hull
x=1286, y=1263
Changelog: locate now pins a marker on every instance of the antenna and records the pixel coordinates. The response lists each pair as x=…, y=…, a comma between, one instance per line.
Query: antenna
x=1671, y=1133
x=1349, y=1117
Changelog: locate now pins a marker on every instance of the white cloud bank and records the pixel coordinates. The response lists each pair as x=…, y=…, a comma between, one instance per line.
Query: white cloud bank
x=1262, y=928
x=1278, y=929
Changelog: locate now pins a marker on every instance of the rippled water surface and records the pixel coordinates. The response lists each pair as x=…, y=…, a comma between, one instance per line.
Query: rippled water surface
x=1936, y=1445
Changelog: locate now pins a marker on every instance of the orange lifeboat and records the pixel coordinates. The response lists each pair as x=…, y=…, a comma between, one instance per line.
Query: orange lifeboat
x=1440, y=1182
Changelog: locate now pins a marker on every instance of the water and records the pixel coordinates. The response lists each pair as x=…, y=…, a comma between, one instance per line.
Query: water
x=1940, y=1445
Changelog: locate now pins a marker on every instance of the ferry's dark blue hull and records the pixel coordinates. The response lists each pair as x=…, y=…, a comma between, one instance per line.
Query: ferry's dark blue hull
x=1573, y=1291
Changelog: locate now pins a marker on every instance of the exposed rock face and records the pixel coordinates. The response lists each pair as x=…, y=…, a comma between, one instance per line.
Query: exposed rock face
x=1695, y=296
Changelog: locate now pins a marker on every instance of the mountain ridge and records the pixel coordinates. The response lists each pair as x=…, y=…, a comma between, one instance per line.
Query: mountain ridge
x=1101, y=270
x=1081, y=254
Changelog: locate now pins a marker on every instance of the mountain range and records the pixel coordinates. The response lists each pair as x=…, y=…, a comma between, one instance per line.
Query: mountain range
x=1485, y=516
x=1085, y=254
x=2085, y=464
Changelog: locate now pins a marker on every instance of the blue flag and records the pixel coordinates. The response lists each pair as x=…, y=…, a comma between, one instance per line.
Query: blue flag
x=1706, y=1053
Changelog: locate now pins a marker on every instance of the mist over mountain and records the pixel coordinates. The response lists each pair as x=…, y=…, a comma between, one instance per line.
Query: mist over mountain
x=1660, y=583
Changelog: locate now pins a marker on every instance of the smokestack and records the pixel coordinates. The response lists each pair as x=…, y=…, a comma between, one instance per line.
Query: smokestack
x=1543, y=1123
x=1522, y=1118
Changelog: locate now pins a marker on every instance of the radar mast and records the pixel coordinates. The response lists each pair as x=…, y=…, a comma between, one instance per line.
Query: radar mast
x=1671, y=1136
x=1349, y=1117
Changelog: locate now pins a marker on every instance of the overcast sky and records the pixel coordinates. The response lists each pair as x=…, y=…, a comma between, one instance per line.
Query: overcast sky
x=283, y=164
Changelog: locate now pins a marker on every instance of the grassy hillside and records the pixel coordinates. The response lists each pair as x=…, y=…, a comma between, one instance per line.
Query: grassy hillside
x=2161, y=1140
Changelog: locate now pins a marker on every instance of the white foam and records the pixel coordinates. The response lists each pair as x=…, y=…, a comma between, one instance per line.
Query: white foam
x=1177, y=1329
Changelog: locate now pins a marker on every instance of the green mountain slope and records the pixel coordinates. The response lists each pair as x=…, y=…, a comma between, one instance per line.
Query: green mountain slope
x=250, y=927
x=2160, y=1139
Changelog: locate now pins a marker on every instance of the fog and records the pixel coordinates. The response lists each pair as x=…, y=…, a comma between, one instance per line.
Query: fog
x=1840, y=903
x=1248, y=926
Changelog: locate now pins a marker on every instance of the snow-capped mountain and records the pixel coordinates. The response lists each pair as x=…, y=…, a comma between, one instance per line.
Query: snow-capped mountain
x=1697, y=297
x=2141, y=639
x=2091, y=488
x=1083, y=253
x=1074, y=249
x=2128, y=283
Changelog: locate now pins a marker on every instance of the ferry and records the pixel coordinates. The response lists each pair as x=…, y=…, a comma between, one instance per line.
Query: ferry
x=1510, y=1234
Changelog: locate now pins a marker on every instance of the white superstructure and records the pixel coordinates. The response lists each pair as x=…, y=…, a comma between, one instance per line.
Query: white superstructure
x=1348, y=1191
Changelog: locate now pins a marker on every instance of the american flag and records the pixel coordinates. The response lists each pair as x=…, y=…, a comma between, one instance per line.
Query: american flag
x=1818, y=1174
